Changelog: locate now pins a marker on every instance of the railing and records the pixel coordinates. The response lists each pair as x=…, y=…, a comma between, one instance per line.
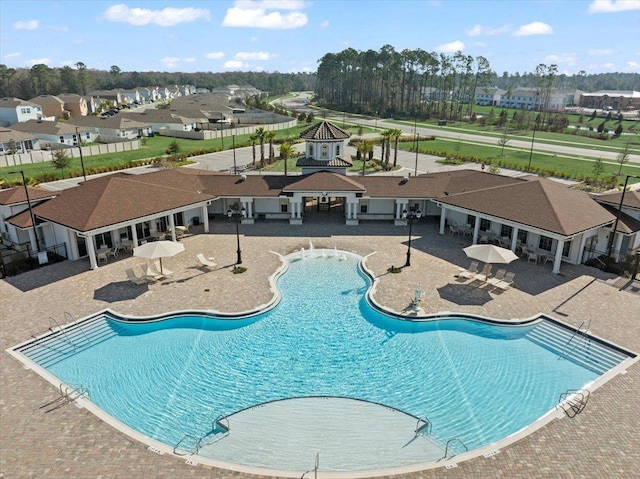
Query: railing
x=573, y=401
x=75, y=322
x=196, y=443
x=450, y=442
x=53, y=320
x=218, y=422
x=423, y=426
x=68, y=394
x=581, y=331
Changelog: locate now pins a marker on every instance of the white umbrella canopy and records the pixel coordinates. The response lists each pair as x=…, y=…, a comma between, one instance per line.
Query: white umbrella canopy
x=158, y=250
x=488, y=253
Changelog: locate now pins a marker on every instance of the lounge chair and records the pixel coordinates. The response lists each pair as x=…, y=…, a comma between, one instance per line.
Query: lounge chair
x=206, y=262
x=149, y=274
x=506, y=282
x=484, y=274
x=135, y=280
x=469, y=272
x=155, y=268
x=499, y=276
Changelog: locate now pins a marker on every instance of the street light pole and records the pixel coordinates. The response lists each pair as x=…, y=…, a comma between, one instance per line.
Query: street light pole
x=84, y=175
x=410, y=216
x=33, y=219
x=415, y=170
x=533, y=137
x=237, y=215
x=615, y=224
x=235, y=169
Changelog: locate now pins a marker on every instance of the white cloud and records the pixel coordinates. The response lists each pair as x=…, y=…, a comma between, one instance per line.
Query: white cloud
x=170, y=62
x=12, y=55
x=568, y=58
x=66, y=63
x=252, y=56
x=478, y=30
x=324, y=24
x=450, y=47
x=37, y=61
x=603, y=52
x=254, y=39
x=235, y=65
x=214, y=55
x=28, y=25
x=633, y=65
x=534, y=28
x=255, y=14
x=58, y=28
x=609, y=66
x=613, y=6
x=190, y=59
x=301, y=70
x=166, y=17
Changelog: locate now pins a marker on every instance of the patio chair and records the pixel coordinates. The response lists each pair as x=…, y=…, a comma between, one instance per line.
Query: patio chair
x=102, y=257
x=499, y=276
x=206, y=262
x=113, y=252
x=484, y=274
x=149, y=274
x=155, y=267
x=135, y=280
x=532, y=257
x=506, y=282
x=469, y=272
x=453, y=230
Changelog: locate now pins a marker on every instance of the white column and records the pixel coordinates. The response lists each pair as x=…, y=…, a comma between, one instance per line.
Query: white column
x=398, y=211
x=172, y=227
x=443, y=220
x=33, y=241
x=514, y=238
x=134, y=235
x=299, y=208
x=558, y=259
x=355, y=210
x=476, y=230
x=91, y=251
x=205, y=217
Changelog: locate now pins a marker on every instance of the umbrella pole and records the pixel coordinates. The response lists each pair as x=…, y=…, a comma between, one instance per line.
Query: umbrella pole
x=161, y=272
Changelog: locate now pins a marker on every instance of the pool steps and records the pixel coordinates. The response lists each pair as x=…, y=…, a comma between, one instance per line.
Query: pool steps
x=579, y=348
x=49, y=350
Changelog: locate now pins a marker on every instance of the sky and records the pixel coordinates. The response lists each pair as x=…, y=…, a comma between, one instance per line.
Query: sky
x=595, y=36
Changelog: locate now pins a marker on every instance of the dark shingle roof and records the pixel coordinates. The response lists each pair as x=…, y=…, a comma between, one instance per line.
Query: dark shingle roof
x=15, y=196
x=631, y=199
x=46, y=127
x=324, y=131
x=334, y=163
x=325, y=181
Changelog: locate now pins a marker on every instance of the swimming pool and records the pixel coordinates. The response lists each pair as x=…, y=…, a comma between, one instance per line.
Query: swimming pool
x=474, y=381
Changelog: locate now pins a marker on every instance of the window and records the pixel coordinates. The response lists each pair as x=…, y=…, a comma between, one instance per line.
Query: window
x=506, y=231
x=523, y=236
x=485, y=225
x=284, y=208
x=545, y=243
x=566, y=248
x=471, y=220
x=25, y=111
x=324, y=152
x=62, y=139
x=311, y=150
x=364, y=206
x=337, y=150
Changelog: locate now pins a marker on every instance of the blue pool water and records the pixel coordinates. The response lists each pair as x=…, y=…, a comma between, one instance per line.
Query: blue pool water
x=474, y=381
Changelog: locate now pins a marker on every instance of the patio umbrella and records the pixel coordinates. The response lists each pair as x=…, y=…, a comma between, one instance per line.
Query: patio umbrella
x=489, y=253
x=158, y=250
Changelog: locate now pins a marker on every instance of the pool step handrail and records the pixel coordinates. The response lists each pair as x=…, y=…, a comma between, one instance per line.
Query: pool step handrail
x=573, y=401
x=53, y=320
x=223, y=422
x=196, y=443
x=582, y=330
x=68, y=315
x=423, y=426
x=453, y=441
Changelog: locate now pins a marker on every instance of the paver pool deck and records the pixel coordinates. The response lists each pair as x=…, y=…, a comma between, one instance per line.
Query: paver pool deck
x=602, y=442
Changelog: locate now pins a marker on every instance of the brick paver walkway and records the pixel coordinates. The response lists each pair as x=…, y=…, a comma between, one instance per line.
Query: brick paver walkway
x=72, y=443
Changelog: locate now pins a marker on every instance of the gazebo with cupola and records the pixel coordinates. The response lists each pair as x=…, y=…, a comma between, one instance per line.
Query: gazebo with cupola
x=325, y=149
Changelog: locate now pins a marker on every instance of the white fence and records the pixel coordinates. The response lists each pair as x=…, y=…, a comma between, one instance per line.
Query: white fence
x=225, y=133
x=39, y=156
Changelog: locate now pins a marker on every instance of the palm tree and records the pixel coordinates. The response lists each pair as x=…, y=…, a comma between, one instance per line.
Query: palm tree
x=268, y=137
x=286, y=150
x=395, y=135
x=253, y=139
x=364, y=147
x=386, y=145
x=260, y=134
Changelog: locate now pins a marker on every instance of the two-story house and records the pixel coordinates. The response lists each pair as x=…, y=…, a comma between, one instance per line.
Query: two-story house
x=14, y=110
x=60, y=132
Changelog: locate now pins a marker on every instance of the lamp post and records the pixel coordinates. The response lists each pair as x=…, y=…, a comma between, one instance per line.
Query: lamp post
x=415, y=169
x=533, y=137
x=33, y=219
x=410, y=216
x=237, y=215
x=84, y=175
x=615, y=224
x=233, y=140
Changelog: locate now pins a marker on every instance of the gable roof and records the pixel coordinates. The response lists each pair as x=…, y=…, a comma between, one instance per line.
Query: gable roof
x=16, y=195
x=538, y=203
x=325, y=181
x=15, y=102
x=115, y=122
x=324, y=131
x=7, y=134
x=47, y=100
x=46, y=127
x=631, y=199
x=332, y=163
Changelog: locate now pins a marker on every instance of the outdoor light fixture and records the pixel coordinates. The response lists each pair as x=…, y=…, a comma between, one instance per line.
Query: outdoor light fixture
x=410, y=216
x=33, y=219
x=238, y=215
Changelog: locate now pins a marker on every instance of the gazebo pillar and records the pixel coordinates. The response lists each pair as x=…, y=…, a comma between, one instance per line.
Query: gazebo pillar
x=91, y=251
x=443, y=220
x=558, y=258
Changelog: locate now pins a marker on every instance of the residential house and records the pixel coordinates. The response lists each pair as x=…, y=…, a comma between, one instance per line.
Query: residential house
x=148, y=95
x=129, y=96
x=160, y=119
x=93, y=106
x=14, y=110
x=111, y=97
x=14, y=141
x=489, y=96
x=13, y=201
x=74, y=104
x=116, y=126
x=52, y=106
x=615, y=99
x=55, y=132
x=626, y=240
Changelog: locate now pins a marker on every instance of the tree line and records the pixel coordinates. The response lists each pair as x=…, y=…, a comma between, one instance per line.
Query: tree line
x=40, y=79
